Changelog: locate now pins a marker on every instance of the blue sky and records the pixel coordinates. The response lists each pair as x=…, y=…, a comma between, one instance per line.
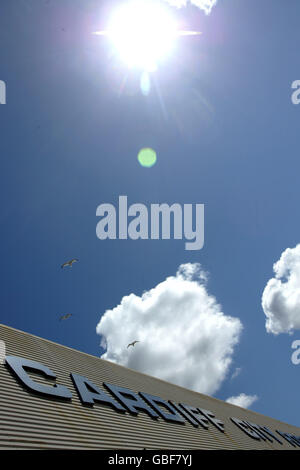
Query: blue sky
x=228, y=138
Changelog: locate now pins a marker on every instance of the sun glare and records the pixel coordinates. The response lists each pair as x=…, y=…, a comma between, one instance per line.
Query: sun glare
x=143, y=33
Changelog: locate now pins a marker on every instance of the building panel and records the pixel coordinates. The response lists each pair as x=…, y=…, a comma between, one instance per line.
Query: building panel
x=36, y=421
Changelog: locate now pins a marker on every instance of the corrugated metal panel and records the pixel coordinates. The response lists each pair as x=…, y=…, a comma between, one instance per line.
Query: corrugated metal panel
x=29, y=421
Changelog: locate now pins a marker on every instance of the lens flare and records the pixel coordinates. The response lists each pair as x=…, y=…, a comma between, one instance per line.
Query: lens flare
x=147, y=157
x=145, y=83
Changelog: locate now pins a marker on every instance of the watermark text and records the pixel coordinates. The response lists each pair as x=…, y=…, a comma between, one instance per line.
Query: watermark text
x=296, y=93
x=160, y=222
x=2, y=92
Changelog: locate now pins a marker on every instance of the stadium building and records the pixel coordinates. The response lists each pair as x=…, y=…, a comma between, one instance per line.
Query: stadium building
x=54, y=397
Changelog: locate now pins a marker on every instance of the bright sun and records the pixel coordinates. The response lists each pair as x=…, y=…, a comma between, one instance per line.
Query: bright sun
x=142, y=32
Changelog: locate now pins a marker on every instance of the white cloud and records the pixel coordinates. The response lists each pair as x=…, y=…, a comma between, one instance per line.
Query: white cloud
x=205, y=5
x=281, y=296
x=185, y=338
x=236, y=372
x=243, y=400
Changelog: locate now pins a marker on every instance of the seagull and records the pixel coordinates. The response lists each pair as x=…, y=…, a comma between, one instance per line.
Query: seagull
x=69, y=263
x=132, y=344
x=65, y=317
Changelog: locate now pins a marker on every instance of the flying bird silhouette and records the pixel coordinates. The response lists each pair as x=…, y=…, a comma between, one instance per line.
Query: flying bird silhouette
x=132, y=344
x=69, y=263
x=65, y=317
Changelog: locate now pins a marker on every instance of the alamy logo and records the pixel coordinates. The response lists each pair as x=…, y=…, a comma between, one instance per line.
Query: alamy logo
x=156, y=226
x=296, y=94
x=295, y=356
x=2, y=92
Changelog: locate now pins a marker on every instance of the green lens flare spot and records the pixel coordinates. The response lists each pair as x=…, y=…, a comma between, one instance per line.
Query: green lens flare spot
x=147, y=157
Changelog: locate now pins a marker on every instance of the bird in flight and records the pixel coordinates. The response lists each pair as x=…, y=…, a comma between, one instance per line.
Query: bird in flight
x=69, y=263
x=65, y=317
x=132, y=344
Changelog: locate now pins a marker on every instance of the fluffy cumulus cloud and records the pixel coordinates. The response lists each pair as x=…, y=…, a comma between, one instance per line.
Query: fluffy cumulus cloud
x=184, y=337
x=205, y=5
x=281, y=296
x=243, y=400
